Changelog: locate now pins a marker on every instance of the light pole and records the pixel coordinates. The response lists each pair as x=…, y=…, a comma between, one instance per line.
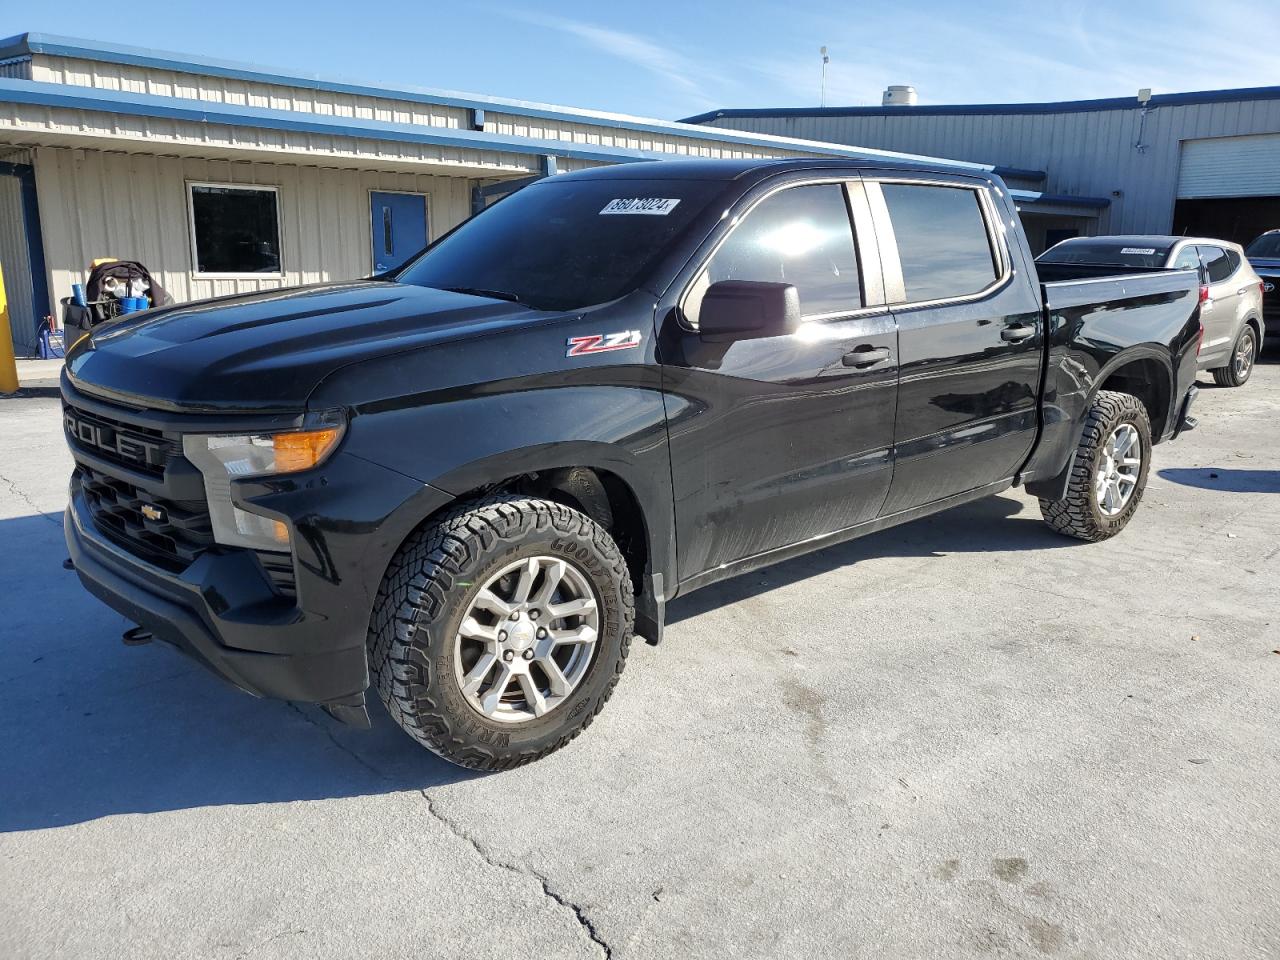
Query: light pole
x=822, y=101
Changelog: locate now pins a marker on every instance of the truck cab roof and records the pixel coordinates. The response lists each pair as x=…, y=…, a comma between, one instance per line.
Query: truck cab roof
x=726, y=170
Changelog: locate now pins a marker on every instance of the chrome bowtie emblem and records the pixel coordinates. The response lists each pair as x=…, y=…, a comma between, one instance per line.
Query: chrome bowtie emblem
x=152, y=512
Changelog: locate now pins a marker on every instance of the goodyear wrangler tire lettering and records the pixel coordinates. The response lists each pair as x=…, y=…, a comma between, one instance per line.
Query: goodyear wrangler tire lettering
x=418, y=612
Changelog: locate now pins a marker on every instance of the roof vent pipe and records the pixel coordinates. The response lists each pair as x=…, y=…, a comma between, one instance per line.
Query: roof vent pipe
x=899, y=95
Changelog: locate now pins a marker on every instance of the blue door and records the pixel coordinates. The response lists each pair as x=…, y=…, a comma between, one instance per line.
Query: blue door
x=399, y=225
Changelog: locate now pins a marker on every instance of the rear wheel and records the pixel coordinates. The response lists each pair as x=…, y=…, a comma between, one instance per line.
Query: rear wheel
x=1109, y=472
x=500, y=630
x=1236, y=373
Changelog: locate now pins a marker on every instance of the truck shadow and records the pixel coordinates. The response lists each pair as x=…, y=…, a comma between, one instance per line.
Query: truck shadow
x=1225, y=481
x=982, y=526
x=93, y=728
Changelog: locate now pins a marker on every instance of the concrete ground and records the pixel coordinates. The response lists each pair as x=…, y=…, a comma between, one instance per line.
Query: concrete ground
x=960, y=738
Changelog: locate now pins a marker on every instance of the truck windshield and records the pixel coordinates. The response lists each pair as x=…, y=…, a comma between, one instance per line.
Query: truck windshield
x=564, y=244
x=1131, y=252
x=1267, y=245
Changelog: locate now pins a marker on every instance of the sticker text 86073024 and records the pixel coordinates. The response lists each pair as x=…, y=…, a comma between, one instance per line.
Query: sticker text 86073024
x=649, y=206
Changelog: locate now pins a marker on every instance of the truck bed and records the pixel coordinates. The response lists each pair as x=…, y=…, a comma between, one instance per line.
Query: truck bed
x=1147, y=320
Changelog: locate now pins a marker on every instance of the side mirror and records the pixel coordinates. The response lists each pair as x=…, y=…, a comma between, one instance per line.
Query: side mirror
x=748, y=310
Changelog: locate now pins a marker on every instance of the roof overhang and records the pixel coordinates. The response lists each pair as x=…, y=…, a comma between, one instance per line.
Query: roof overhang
x=1053, y=204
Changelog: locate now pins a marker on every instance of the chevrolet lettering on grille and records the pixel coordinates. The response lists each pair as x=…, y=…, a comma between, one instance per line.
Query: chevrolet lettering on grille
x=103, y=437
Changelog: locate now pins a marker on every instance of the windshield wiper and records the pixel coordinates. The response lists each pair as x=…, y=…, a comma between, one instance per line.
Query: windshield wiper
x=491, y=294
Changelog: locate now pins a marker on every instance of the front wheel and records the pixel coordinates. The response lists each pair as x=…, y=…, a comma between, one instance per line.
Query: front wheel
x=1109, y=472
x=1236, y=373
x=500, y=630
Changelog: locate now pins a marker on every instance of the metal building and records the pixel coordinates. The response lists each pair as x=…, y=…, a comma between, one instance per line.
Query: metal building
x=1197, y=163
x=224, y=178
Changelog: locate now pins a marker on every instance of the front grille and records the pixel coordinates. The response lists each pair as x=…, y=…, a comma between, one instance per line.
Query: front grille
x=1271, y=305
x=148, y=499
x=171, y=536
x=137, y=448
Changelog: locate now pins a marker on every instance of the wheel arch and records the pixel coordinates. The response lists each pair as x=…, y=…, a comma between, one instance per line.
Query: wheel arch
x=598, y=479
x=1143, y=371
x=1147, y=375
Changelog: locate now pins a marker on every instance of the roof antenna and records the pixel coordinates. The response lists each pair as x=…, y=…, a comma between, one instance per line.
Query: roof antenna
x=822, y=99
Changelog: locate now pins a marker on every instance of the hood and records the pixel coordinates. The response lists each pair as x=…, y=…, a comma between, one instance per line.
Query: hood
x=267, y=351
x=1268, y=266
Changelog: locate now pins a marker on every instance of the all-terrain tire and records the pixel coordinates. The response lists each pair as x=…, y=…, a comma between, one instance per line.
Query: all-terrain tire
x=1079, y=513
x=1246, y=345
x=430, y=584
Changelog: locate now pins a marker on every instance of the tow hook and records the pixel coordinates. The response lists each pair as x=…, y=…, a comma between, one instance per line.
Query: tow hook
x=136, y=637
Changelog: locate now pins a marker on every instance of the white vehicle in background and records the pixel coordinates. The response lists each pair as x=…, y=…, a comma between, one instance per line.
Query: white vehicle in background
x=1230, y=292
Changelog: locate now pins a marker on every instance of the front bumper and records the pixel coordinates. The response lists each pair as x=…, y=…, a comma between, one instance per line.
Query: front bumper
x=176, y=608
x=221, y=609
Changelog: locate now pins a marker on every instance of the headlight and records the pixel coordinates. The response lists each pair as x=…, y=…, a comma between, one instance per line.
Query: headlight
x=222, y=459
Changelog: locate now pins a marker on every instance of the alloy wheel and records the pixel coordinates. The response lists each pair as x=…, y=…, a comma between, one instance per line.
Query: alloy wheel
x=1119, y=469
x=527, y=639
x=1243, y=360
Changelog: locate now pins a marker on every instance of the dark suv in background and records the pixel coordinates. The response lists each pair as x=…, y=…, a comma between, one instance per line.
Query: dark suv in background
x=1264, y=254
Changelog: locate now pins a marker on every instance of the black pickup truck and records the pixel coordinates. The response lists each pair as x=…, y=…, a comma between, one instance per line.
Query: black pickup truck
x=472, y=481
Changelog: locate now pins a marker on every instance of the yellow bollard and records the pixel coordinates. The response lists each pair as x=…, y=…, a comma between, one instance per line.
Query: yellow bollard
x=8, y=366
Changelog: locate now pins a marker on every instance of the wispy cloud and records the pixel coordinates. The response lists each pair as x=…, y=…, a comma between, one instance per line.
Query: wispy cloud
x=661, y=60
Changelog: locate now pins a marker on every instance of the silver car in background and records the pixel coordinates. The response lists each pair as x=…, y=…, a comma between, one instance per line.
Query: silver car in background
x=1230, y=292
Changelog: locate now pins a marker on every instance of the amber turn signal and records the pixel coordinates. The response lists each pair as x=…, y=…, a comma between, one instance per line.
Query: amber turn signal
x=304, y=449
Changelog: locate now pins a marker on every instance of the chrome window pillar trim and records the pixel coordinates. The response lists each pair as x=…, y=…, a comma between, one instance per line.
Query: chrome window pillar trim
x=866, y=244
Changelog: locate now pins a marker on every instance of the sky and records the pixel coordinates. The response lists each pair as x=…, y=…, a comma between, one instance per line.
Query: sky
x=674, y=58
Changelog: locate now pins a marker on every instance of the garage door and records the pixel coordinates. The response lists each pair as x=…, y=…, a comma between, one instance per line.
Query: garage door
x=1230, y=167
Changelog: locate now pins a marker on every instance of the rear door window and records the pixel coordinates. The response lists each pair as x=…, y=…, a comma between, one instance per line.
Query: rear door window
x=943, y=243
x=1216, y=263
x=802, y=236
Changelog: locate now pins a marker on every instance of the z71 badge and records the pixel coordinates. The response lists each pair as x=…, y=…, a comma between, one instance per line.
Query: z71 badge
x=602, y=342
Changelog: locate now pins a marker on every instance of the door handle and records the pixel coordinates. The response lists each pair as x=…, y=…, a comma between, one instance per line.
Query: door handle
x=1017, y=333
x=865, y=356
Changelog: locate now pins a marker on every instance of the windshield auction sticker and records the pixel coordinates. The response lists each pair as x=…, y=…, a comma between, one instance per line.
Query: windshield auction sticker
x=652, y=206
x=1143, y=251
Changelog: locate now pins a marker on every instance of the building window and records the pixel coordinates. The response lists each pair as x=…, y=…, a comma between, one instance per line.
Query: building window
x=235, y=230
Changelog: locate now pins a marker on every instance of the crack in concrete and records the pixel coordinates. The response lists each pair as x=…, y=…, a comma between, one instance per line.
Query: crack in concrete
x=327, y=730
x=21, y=495
x=268, y=941
x=524, y=870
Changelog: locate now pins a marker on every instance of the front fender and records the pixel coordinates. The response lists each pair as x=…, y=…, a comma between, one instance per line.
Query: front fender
x=477, y=442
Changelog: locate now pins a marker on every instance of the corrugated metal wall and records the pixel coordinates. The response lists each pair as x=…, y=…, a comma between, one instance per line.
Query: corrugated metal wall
x=1086, y=153
x=96, y=204
x=27, y=123
x=18, y=68
x=17, y=267
x=170, y=83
